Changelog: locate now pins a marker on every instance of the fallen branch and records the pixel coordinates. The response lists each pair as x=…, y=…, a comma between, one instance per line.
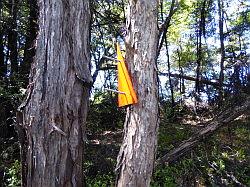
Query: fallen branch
x=229, y=176
x=201, y=80
x=222, y=119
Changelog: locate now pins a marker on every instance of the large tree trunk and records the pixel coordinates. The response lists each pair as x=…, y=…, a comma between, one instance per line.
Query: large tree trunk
x=54, y=112
x=137, y=153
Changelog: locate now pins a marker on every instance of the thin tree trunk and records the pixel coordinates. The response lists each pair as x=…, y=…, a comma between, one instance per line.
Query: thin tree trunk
x=169, y=77
x=136, y=158
x=2, y=64
x=222, y=48
x=166, y=24
x=3, y=67
x=182, y=86
x=201, y=31
x=12, y=35
x=54, y=112
x=199, y=58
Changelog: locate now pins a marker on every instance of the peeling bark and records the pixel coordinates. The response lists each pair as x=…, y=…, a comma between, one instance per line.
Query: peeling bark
x=54, y=112
x=137, y=153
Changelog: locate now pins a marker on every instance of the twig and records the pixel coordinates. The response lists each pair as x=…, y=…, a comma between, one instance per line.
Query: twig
x=111, y=90
x=110, y=58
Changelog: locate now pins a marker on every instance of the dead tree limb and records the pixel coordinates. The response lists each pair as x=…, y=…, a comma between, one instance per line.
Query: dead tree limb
x=222, y=119
x=201, y=80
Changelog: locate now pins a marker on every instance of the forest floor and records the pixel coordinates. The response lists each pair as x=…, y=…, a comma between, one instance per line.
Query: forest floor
x=221, y=159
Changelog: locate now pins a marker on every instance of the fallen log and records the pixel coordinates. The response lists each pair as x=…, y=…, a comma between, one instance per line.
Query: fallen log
x=222, y=119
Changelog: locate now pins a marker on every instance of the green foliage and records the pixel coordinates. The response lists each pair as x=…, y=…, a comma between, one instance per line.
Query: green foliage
x=11, y=94
x=166, y=139
x=102, y=180
x=165, y=177
x=216, y=162
x=105, y=120
x=104, y=113
x=13, y=177
x=174, y=175
x=180, y=21
x=223, y=159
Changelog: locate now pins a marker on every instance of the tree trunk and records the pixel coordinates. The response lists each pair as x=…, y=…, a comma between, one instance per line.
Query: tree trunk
x=169, y=77
x=54, y=111
x=199, y=59
x=3, y=66
x=222, y=48
x=30, y=48
x=136, y=158
x=164, y=28
x=201, y=31
x=12, y=35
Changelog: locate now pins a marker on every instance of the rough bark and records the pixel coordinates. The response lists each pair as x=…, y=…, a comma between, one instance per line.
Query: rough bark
x=223, y=119
x=137, y=153
x=54, y=112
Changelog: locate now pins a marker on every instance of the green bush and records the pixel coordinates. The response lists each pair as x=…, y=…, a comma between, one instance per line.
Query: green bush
x=13, y=177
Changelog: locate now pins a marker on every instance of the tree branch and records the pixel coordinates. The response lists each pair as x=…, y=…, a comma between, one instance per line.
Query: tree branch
x=164, y=27
x=222, y=119
x=201, y=80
